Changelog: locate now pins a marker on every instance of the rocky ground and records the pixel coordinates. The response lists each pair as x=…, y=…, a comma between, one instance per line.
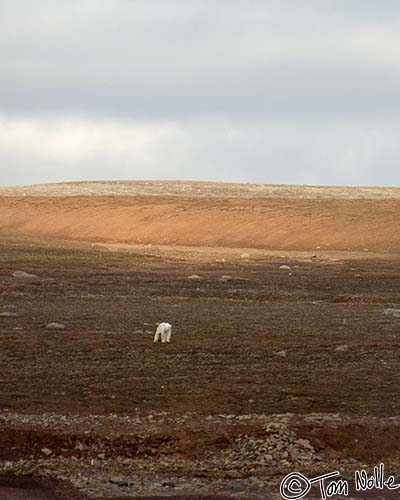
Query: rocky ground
x=277, y=363
x=242, y=456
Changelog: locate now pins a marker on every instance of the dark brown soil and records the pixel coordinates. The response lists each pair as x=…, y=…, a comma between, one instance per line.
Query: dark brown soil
x=357, y=441
x=28, y=488
x=225, y=335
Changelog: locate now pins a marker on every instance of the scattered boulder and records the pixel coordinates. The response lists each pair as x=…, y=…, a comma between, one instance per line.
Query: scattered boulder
x=194, y=277
x=46, y=451
x=120, y=482
x=282, y=353
x=7, y=314
x=23, y=276
x=392, y=312
x=226, y=277
x=168, y=484
x=245, y=255
x=90, y=296
x=285, y=267
x=55, y=326
x=342, y=348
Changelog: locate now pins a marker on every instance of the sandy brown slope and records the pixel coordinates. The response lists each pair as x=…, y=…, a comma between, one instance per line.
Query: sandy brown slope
x=271, y=223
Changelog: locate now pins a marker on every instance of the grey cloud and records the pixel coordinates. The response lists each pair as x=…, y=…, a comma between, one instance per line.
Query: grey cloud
x=274, y=89
x=246, y=90
x=183, y=58
x=302, y=151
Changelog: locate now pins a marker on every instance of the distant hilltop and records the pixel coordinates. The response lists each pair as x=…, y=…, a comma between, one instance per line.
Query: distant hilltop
x=200, y=189
x=205, y=214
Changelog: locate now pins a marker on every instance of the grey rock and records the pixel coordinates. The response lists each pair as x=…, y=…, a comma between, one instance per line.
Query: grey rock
x=234, y=485
x=342, y=348
x=168, y=484
x=284, y=267
x=23, y=276
x=304, y=442
x=226, y=277
x=55, y=326
x=80, y=446
x=194, y=277
x=392, y=312
x=7, y=314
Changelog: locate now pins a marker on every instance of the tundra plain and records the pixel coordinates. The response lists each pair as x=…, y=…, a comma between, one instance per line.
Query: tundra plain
x=271, y=369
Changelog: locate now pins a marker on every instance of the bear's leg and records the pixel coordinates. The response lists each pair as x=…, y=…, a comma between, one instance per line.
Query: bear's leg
x=157, y=335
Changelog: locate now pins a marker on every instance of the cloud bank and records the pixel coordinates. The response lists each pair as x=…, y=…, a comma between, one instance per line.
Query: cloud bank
x=257, y=91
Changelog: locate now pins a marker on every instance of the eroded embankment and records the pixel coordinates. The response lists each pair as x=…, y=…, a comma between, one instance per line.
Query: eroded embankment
x=270, y=223
x=222, y=454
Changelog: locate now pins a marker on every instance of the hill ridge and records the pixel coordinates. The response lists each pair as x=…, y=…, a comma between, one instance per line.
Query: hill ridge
x=199, y=189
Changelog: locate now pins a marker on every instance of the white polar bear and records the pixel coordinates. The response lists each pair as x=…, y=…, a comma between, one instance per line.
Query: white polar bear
x=164, y=330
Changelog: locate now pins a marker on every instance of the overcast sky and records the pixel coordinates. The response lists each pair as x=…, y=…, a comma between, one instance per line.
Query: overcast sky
x=271, y=91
